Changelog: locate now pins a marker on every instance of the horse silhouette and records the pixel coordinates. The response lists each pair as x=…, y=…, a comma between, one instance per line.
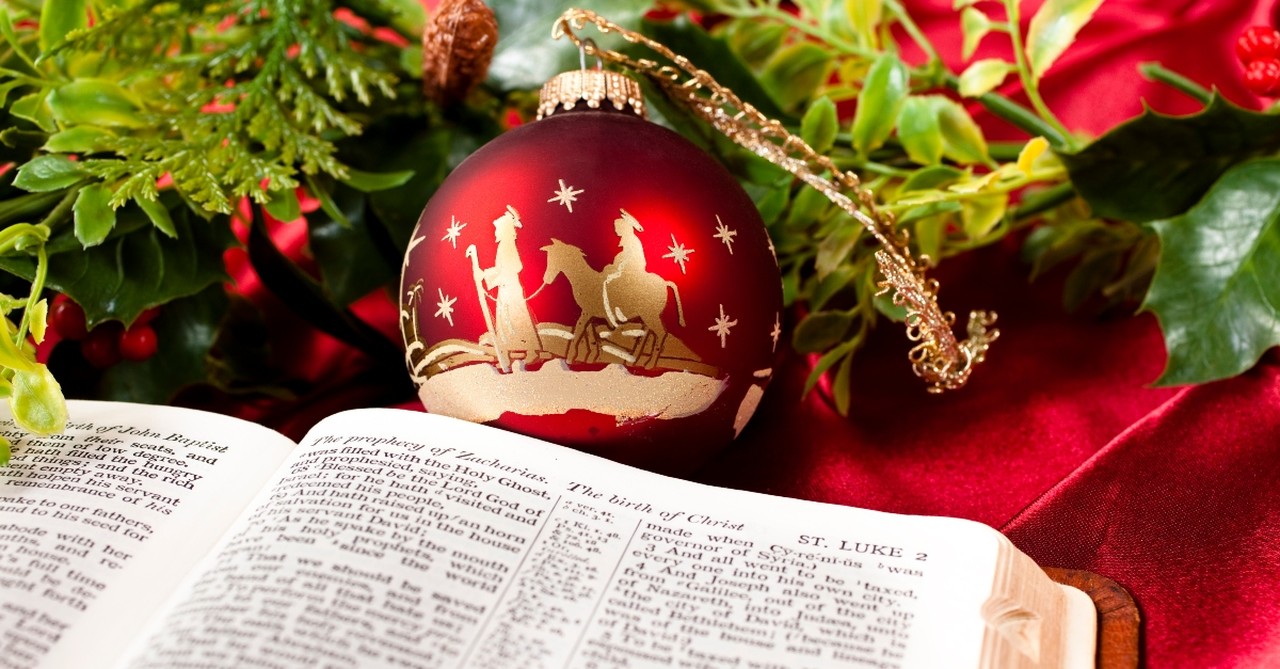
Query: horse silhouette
x=634, y=296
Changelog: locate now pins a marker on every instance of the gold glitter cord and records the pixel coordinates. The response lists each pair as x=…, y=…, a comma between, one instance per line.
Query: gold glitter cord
x=943, y=362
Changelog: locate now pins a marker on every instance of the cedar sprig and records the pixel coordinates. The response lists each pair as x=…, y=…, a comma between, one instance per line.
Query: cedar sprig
x=234, y=98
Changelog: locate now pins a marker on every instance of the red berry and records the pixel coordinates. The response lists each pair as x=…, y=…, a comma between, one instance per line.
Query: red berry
x=1257, y=43
x=1263, y=76
x=67, y=318
x=101, y=348
x=138, y=343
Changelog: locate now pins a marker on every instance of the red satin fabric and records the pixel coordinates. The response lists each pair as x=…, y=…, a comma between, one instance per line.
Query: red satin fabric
x=1058, y=440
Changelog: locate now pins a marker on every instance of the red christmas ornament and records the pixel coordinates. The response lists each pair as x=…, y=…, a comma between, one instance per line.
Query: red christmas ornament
x=595, y=280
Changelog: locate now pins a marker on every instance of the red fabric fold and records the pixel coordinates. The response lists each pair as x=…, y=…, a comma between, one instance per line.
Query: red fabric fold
x=1182, y=509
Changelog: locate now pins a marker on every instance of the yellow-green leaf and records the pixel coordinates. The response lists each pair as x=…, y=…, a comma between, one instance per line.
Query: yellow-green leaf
x=78, y=139
x=794, y=73
x=93, y=215
x=974, y=25
x=35, y=108
x=865, y=16
x=1054, y=28
x=59, y=17
x=94, y=102
x=37, y=402
x=918, y=130
x=1030, y=153
x=983, y=76
x=159, y=216
x=962, y=139
x=980, y=215
x=39, y=320
x=880, y=102
x=820, y=124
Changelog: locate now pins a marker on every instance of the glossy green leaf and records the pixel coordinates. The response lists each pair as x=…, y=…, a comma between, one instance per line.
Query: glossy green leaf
x=1097, y=268
x=371, y=182
x=48, y=173
x=526, y=56
x=283, y=205
x=1156, y=166
x=1217, y=283
x=821, y=330
x=982, y=77
x=919, y=131
x=807, y=207
x=37, y=402
x=137, y=267
x=880, y=102
x=794, y=73
x=59, y=17
x=93, y=215
x=819, y=126
x=835, y=248
x=829, y=360
x=1054, y=28
x=928, y=210
x=34, y=107
x=159, y=215
x=842, y=386
x=79, y=139
x=931, y=178
x=962, y=139
x=974, y=25
x=94, y=102
x=754, y=41
x=833, y=284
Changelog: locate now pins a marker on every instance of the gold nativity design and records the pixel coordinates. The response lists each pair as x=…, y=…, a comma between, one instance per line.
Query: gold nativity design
x=613, y=360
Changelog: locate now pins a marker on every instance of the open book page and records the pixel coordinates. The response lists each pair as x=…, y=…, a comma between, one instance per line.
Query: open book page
x=98, y=525
x=399, y=539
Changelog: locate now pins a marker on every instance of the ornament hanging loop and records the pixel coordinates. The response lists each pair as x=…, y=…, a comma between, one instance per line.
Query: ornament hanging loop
x=588, y=47
x=941, y=360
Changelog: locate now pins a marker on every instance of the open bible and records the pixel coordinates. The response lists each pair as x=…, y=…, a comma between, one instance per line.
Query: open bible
x=149, y=537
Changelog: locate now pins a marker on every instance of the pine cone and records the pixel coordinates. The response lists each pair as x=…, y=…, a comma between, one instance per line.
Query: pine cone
x=456, y=49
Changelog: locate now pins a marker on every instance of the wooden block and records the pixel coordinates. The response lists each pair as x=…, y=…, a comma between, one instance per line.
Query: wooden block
x=1119, y=623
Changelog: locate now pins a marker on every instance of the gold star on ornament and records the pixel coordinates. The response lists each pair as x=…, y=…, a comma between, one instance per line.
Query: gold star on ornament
x=721, y=328
x=455, y=229
x=777, y=331
x=445, y=306
x=724, y=234
x=567, y=195
x=678, y=254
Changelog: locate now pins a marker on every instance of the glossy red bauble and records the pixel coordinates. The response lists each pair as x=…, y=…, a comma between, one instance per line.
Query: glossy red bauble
x=595, y=280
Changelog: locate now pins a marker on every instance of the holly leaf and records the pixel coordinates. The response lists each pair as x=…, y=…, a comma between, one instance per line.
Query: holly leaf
x=1156, y=166
x=186, y=330
x=1217, y=283
x=136, y=267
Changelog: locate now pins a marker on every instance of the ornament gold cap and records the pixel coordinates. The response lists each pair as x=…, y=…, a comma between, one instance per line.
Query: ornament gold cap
x=594, y=88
